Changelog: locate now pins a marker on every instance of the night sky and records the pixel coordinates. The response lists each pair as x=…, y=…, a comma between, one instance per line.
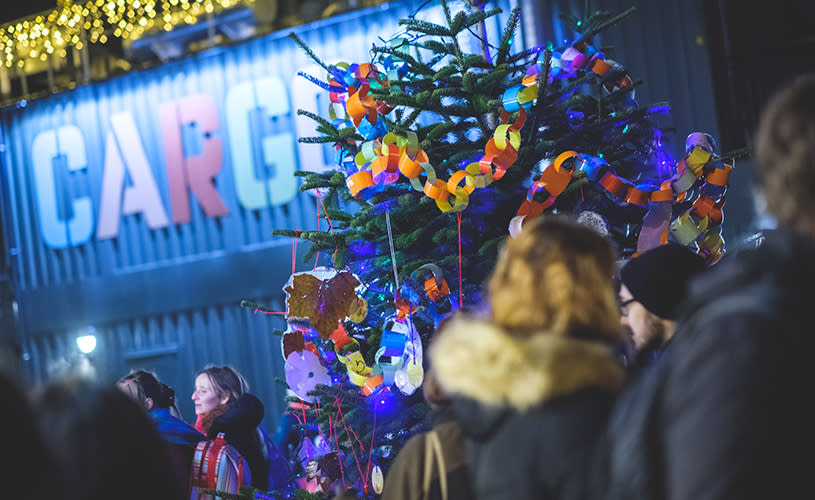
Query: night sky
x=15, y=9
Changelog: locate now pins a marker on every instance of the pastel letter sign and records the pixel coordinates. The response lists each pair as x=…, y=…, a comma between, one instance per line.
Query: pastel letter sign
x=267, y=94
x=124, y=150
x=184, y=169
x=56, y=148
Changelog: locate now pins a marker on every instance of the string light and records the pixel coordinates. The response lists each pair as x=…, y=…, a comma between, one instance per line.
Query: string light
x=35, y=37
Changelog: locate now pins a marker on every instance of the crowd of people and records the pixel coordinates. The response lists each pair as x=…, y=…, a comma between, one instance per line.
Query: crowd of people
x=704, y=398
x=675, y=381
x=83, y=440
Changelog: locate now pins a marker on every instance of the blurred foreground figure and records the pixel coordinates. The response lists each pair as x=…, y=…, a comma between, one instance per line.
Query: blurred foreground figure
x=534, y=382
x=416, y=472
x=27, y=469
x=725, y=414
x=653, y=287
x=158, y=400
x=105, y=445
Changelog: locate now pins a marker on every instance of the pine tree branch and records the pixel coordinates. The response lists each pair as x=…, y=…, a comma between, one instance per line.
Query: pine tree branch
x=310, y=52
x=255, y=306
x=317, y=118
x=736, y=154
x=456, y=46
x=316, y=140
x=425, y=27
x=439, y=47
x=604, y=24
x=414, y=65
x=506, y=36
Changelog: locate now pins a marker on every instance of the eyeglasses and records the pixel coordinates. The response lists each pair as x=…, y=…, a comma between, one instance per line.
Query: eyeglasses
x=624, y=306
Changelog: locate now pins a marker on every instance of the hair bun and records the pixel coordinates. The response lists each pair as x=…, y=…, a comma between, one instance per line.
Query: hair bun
x=169, y=394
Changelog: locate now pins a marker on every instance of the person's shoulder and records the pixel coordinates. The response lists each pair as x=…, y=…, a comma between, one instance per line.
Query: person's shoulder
x=414, y=445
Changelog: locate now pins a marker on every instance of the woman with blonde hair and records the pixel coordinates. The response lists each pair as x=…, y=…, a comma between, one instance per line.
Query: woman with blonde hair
x=223, y=404
x=533, y=383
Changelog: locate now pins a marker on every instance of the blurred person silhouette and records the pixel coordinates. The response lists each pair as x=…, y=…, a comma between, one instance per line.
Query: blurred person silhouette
x=534, y=382
x=27, y=467
x=415, y=473
x=104, y=443
x=724, y=414
x=223, y=404
x=158, y=400
x=653, y=286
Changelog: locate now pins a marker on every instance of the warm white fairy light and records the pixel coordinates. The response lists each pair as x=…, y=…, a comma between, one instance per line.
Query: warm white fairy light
x=35, y=37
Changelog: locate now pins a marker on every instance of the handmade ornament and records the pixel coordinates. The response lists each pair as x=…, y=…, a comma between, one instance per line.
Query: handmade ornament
x=304, y=372
x=358, y=310
x=322, y=296
x=435, y=285
x=399, y=357
x=377, y=479
x=347, y=350
x=385, y=156
x=293, y=341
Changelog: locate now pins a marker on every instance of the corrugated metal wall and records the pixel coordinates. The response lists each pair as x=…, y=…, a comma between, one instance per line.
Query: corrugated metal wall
x=176, y=345
x=662, y=44
x=166, y=298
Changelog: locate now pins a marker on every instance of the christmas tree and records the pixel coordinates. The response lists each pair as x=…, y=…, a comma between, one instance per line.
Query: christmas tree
x=441, y=155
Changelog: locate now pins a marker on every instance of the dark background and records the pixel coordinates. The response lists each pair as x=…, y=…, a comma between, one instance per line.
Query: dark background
x=15, y=9
x=761, y=45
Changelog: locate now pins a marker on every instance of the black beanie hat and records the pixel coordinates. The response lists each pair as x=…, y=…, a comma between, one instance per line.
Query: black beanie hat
x=658, y=278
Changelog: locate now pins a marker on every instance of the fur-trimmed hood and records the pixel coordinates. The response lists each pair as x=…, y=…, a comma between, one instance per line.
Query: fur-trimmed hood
x=480, y=361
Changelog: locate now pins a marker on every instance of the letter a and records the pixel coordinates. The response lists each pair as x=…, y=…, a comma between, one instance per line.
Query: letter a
x=124, y=151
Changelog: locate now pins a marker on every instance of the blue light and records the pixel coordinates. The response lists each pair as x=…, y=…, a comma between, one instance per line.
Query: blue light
x=473, y=134
x=659, y=109
x=363, y=249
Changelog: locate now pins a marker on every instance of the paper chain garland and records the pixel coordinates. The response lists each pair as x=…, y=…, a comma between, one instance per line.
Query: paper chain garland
x=700, y=222
x=385, y=155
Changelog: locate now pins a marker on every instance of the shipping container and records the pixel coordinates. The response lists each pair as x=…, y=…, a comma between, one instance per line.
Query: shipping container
x=140, y=209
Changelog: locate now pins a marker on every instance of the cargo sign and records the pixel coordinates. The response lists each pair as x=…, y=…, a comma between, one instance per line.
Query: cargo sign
x=194, y=145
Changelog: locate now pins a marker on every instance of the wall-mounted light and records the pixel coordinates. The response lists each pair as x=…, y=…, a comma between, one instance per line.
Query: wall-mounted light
x=87, y=343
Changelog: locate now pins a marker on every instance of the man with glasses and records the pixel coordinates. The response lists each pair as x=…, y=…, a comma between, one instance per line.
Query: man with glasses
x=653, y=286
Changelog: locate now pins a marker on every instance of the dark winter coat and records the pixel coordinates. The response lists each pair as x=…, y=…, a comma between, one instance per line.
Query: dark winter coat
x=181, y=440
x=239, y=425
x=725, y=413
x=405, y=477
x=280, y=476
x=532, y=407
